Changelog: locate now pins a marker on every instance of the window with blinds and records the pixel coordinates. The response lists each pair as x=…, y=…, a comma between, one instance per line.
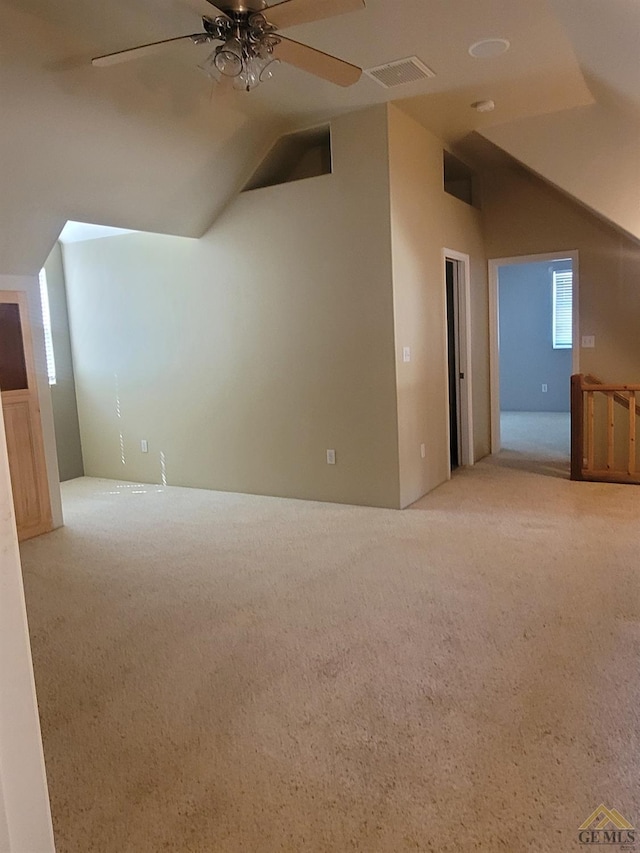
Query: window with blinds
x=562, y=309
x=46, y=322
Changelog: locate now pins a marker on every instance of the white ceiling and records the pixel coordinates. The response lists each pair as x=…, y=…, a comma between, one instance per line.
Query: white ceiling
x=152, y=145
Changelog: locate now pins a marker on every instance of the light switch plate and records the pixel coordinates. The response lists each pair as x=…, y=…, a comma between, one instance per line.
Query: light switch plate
x=588, y=341
x=331, y=457
x=406, y=354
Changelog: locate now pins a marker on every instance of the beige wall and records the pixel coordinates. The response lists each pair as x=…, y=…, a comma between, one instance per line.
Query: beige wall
x=243, y=356
x=522, y=215
x=63, y=393
x=424, y=221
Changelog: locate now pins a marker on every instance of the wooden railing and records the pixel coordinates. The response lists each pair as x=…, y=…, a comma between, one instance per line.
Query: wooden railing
x=604, y=430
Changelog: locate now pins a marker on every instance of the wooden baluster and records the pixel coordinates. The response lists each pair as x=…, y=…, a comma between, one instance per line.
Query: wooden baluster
x=610, y=430
x=632, y=432
x=591, y=449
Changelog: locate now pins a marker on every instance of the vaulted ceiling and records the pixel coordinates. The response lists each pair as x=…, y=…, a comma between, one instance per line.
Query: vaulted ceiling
x=153, y=145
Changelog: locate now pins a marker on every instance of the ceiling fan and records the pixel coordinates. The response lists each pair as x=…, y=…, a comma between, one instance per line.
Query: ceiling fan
x=251, y=44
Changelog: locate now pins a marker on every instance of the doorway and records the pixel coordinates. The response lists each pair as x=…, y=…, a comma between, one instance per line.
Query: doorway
x=458, y=355
x=534, y=351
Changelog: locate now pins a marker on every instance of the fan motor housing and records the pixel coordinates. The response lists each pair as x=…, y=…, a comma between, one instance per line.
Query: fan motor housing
x=242, y=6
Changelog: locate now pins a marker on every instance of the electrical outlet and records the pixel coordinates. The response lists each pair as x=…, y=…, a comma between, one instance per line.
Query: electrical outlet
x=423, y=451
x=406, y=354
x=144, y=445
x=588, y=341
x=545, y=388
x=331, y=457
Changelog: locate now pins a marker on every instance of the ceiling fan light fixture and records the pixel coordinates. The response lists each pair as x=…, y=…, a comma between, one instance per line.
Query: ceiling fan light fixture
x=208, y=67
x=249, y=32
x=228, y=58
x=249, y=77
x=257, y=67
x=268, y=69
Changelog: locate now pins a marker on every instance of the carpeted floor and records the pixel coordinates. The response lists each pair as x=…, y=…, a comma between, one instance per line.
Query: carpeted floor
x=220, y=673
x=539, y=442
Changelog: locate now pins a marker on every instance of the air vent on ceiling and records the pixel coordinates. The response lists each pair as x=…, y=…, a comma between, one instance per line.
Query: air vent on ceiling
x=401, y=71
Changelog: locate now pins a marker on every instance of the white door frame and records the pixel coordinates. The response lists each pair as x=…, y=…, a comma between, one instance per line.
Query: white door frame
x=463, y=281
x=494, y=336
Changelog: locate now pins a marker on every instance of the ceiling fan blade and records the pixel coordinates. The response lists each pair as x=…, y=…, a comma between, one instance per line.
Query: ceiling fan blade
x=205, y=9
x=139, y=52
x=316, y=62
x=293, y=12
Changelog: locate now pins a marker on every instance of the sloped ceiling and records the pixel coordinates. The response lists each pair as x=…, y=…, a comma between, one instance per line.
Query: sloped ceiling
x=593, y=152
x=152, y=145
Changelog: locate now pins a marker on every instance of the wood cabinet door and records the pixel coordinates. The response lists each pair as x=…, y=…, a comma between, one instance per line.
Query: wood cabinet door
x=21, y=410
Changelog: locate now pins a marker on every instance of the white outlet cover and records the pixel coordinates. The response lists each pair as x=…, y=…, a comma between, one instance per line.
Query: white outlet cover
x=588, y=341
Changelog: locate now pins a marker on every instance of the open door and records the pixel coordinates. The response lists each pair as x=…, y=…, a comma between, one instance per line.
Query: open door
x=458, y=357
x=453, y=355
x=21, y=410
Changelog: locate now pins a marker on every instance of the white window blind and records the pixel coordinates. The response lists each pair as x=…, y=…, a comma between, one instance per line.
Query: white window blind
x=563, y=309
x=46, y=322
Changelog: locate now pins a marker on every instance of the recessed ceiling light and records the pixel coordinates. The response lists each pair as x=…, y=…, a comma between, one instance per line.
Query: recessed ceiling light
x=488, y=48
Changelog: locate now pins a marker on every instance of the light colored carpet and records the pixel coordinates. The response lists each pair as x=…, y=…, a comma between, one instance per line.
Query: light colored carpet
x=220, y=673
x=539, y=442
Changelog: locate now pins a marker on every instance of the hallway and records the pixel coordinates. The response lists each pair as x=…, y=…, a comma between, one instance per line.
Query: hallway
x=228, y=673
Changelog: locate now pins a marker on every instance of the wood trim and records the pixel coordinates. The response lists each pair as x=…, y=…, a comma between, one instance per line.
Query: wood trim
x=591, y=440
x=632, y=434
x=590, y=379
x=611, y=425
x=577, y=427
x=584, y=469
x=614, y=477
x=29, y=398
x=18, y=396
x=605, y=388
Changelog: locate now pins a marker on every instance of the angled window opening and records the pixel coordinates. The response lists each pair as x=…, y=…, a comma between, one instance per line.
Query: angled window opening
x=295, y=157
x=459, y=180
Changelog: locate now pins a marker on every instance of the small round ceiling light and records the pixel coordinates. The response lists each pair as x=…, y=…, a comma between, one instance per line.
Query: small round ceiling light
x=489, y=48
x=484, y=106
